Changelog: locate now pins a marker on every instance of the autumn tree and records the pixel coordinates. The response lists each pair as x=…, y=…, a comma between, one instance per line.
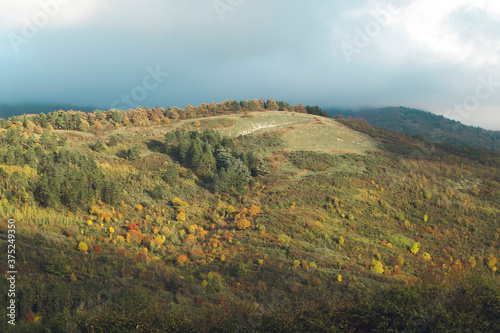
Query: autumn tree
x=272, y=105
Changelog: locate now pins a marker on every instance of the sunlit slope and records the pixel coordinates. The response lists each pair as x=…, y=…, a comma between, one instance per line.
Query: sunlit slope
x=300, y=131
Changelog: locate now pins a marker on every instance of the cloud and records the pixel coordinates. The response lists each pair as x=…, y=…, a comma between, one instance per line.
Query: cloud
x=428, y=54
x=55, y=14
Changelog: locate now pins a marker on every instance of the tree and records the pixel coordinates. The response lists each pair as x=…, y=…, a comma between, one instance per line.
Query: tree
x=99, y=146
x=134, y=153
x=83, y=247
x=172, y=113
x=97, y=126
x=113, y=141
x=171, y=174
x=272, y=105
x=158, y=192
x=84, y=125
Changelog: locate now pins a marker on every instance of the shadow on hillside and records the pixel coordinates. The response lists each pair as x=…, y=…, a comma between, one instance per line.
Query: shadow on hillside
x=156, y=146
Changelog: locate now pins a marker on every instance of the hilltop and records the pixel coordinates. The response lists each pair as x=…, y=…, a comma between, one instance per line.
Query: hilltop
x=264, y=220
x=427, y=125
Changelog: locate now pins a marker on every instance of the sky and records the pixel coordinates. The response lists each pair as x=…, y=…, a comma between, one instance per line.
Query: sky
x=439, y=56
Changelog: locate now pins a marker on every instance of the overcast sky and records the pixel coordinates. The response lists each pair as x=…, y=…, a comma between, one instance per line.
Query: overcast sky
x=440, y=56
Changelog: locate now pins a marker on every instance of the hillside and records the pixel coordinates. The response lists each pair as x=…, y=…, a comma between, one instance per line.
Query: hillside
x=427, y=125
x=259, y=220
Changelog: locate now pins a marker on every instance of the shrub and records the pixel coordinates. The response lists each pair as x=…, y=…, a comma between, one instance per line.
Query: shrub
x=30, y=317
x=96, y=249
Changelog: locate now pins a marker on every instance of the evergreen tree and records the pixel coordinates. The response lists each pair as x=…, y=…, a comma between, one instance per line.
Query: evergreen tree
x=30, y=157
x=113, y=141
x=171, y=174
x=134, y=153
x=195, y=154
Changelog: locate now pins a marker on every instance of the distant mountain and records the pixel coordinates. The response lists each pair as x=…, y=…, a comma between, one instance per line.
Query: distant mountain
x=9, y=110
x=426, y=125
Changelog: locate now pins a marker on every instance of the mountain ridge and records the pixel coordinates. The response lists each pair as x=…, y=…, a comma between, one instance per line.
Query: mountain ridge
x=425, y=124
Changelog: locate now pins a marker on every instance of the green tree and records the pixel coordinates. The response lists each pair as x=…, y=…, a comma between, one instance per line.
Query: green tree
x=134, y=153
x=113, y=141
x=30, y=157
x=171, y=174
x=99, y=146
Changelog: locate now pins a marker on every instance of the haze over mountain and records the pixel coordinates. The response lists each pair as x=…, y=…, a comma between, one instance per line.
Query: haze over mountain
x=9, y=110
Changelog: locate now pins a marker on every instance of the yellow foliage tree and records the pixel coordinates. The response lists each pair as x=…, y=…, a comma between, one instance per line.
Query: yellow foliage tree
x=377, y=267
x=491, y=261
x=415, y=247
x=472, y=262
x=176, y=202
x=243, y=224
x=83, y=247
x=181, y=217
x=254, y=210
x=341, y=240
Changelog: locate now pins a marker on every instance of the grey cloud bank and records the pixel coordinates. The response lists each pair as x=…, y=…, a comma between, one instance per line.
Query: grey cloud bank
x=94, y=52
